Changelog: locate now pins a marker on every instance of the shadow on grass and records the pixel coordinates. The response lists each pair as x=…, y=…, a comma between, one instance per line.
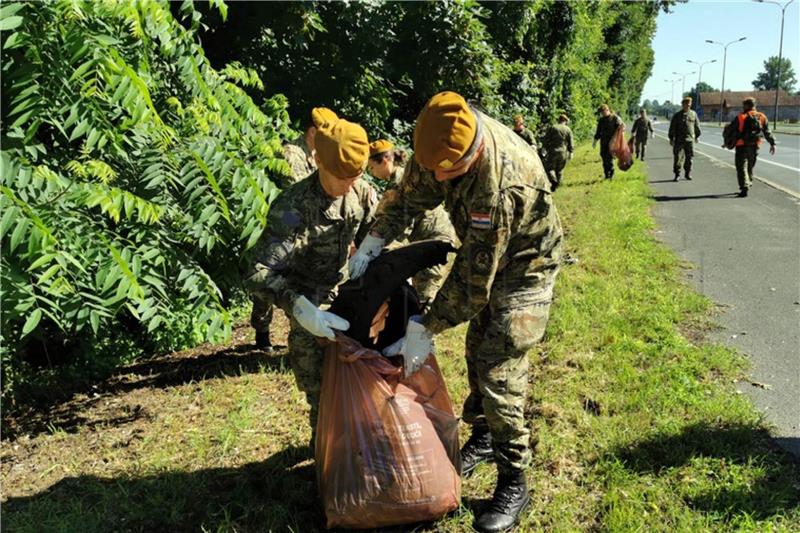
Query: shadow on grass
x=63, y=411
x=777, y=491
x=279, y=494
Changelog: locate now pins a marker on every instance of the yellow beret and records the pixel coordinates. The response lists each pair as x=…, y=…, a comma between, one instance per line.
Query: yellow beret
x=321, y=115
x=444, y=131
x=380, y=146
x=343, y=148
x=517, y=117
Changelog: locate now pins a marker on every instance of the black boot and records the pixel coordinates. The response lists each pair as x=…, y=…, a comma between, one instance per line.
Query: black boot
x=677, y=176
x=688, y=176
x=743, y=193
x=478, y=449
x=510, y=498
x=262, y=341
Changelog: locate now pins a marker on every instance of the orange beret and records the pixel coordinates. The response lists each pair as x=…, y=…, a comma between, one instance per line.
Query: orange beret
x=380, y=146
x=444, y=131
x=343, y=148
x=322, y=115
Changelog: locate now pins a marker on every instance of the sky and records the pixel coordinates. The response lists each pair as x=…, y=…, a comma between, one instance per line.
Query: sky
x=681, y=35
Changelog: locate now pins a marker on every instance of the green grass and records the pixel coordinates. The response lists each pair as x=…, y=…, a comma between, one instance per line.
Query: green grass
x=638, y=424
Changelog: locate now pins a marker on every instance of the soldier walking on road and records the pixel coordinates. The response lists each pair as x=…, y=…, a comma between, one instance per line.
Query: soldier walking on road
x=684, y=129
x=751, y=127
x=522, y=131
x=496, y=192
x=300, y=156
x=607, y=126
x=386, y=163
x=558, y=150
x=302, y=257
x=642, y=130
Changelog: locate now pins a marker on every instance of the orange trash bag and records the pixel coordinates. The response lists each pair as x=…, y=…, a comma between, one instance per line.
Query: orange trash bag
x=620, y=149
x=387, y=448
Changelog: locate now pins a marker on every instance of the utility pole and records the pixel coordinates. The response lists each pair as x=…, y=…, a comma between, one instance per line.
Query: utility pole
x=724, y=63
x=780, y=55
x=683, y=83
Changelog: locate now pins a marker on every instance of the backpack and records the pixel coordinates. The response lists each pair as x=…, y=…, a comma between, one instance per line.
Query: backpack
x=730, y=134
x=752, y=128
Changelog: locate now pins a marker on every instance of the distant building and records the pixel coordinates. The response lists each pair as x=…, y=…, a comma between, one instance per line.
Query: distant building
x=788, y=105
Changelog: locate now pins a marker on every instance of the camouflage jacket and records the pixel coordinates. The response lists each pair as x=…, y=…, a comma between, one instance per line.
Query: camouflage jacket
x=527, y=136
x=306, y=246
x=300, y=159
x=558, y=138
x=607, y=127
x=502, y=212
x=684, y=127
x=642, y=128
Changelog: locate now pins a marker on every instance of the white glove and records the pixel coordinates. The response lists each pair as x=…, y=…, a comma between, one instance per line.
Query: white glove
x=415, y=347
x=316, y=321
x=370, y=249
x=570, y=156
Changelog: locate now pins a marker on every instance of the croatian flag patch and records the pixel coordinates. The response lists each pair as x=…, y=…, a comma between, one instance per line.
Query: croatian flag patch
x=480, y=220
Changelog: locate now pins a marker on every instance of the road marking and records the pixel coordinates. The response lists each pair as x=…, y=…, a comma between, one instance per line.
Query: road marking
x=759, y=178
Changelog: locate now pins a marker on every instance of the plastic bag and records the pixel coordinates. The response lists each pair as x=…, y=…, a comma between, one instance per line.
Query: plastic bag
x=620, y=149
x=387, y=448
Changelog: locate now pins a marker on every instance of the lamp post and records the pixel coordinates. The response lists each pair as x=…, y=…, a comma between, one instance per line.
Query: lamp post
x=672, y=100
x=780, y=54
x=724, y=63
x=683, y=83
x=699, y=76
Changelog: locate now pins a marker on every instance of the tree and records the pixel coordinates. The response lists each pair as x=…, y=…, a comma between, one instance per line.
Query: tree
x=701, y=87
x=768, y=80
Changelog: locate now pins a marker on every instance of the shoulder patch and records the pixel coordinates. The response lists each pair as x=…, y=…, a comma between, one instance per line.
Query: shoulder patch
x=291, y=219
x=480, y=220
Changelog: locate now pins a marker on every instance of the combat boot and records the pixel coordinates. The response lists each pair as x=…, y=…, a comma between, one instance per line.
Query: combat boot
x=262, y=342
x=688, y=176
x=677, y=176
x=478, y=449
x=509, y=500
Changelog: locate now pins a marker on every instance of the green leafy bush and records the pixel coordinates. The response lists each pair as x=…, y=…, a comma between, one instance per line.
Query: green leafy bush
x=134, y=179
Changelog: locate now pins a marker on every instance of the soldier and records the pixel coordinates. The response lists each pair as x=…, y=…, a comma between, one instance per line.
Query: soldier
x=641, y=130
x=302, y=257
x=385, y=163
x=557, y=144
x=607, y=126
x=496, y=191
x=522, y=131
x=300, y=156
x=751, y=126
x=684, y=129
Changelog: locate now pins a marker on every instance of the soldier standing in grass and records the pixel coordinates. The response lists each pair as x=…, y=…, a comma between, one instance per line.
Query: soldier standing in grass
x=300, y=156
x=684, y=129
x=607, y=126
x=386, y=164
x=496, y=192
x=302, y=257
x=558, y=148
x=642, y=130
x=751, y=127
x=524, y=133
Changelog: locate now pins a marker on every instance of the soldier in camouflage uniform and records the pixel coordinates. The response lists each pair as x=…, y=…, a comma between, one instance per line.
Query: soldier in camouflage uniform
x=300, y=156
x=386, y=164
x=558, y=150
x=642, y=130
x=496, y=191
x=302, y=257
x=607, y=126
x=684, y=129
x=524, y=133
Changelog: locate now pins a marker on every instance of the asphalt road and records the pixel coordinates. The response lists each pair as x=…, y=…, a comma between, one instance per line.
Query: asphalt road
x=781, y=169
x=746, y=253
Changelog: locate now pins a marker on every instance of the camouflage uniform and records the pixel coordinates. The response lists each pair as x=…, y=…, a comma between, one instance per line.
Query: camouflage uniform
x=304, y=252
x=502, y=278
x=526, y=135
x=747, y=149
x=301, y=163
x=433, y=224
x=606, y=128
x=558, y=148
x=684, y=130
x=641, y=131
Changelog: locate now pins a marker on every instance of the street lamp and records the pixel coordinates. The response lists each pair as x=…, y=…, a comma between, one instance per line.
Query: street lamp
x=683, y=83
x=780, y=54
x=724, y=62
x=672, y=101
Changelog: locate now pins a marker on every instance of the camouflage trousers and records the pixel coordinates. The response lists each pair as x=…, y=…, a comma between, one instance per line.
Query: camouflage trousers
x=746, y=157
x=682, y=155
x=554, y=164
x=498, y=340
x=261, y=315
x=306, y=356
x=640, y=145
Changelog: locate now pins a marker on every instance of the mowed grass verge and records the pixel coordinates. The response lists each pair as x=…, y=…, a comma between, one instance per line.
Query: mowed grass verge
x=638, y=424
